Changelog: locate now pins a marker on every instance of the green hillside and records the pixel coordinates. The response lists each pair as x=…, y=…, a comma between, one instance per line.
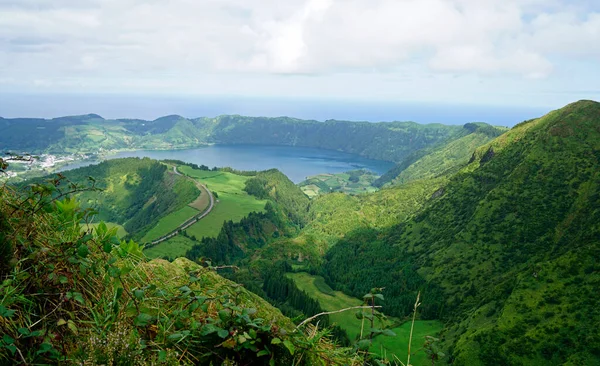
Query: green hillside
x=284, y=213
x=135, y=193
x=72, y=296
x=445, y=158
x=506, y=253
x=498, y=231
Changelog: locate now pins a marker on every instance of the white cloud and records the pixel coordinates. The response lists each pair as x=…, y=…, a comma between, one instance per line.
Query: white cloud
x=135, y=39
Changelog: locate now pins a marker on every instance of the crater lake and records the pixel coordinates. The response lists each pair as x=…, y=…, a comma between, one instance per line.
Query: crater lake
x=297, y=163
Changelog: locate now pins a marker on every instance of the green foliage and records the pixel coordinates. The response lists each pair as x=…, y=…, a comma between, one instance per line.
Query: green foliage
x=505, y=245
x=352, y=182
x=445, y=158
x=233, y=202
x=136, y=193
x=236, y=240
x=388, y=346
x=92, y=133
x=272, y=184
x=284, y=294
x=377, y=263
x=75, y=296
x=333, y=216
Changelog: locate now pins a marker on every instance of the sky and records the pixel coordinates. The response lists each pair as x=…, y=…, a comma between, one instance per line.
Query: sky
x=504, y=53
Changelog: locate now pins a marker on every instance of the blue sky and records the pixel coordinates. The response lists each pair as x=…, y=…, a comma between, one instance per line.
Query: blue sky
x=540, y=53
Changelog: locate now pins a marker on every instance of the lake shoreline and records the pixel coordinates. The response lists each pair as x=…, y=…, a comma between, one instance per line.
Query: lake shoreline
x=296, y=162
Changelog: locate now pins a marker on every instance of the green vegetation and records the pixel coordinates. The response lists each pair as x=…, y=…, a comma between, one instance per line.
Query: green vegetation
x=335, y=215
x=169, y=223
x=385, y=346
x=93, y=134
x=233, y=202
x=274, y=185
x=504, y=252
x=444, y=158
x=89, y=297
x=121, y=232
x=500, y=240
x=136, y=193
x=352, y=182
x=169, y=248
x=284, y=213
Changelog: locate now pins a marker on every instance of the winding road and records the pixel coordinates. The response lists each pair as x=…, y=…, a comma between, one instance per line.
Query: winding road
x=191, y=221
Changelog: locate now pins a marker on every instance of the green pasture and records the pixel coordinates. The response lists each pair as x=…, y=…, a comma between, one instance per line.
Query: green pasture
x=331, y=300
x=169, y=223
x=232, y=203
x=172, y=248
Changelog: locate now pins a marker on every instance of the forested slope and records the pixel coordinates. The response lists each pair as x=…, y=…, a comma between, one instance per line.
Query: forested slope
x=507, y=252
x=444, y=158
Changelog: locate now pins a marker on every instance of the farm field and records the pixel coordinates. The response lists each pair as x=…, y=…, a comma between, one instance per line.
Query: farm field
x=169, y=223
x=331, y=300
x=233, y=202
x=172, y=248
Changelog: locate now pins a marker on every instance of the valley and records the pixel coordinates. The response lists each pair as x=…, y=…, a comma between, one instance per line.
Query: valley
x=495, y=230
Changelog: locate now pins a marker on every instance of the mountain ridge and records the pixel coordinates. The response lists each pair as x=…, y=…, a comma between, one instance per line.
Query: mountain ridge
x=91, y=133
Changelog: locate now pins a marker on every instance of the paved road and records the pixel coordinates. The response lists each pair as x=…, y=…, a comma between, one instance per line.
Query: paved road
x=191, y=221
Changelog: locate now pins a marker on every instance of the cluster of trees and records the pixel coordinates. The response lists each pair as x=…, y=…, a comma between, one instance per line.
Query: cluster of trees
x=274, y=185
x=362, y=261
x=284, y=294
x=236, y=240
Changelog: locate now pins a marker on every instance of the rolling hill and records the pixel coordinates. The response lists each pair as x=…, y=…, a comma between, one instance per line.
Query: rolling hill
x=133, y=193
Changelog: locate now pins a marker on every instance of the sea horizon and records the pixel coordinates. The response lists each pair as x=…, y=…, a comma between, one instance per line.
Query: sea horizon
x=150, y=107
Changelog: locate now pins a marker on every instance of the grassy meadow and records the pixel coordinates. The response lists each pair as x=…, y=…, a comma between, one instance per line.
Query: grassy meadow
x=331, y=300
x=173, y=248
x=232, y=203
x=169, y=223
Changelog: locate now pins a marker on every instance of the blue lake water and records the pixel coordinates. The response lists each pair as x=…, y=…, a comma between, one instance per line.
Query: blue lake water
x=295, y=162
